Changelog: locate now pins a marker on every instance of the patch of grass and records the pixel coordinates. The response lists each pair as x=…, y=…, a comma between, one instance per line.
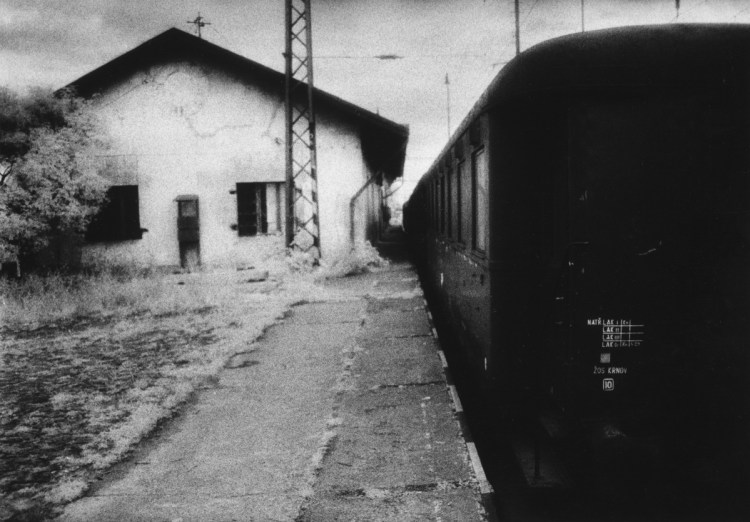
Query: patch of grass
x=91, y=363
x=76, y=394
x=40, y=300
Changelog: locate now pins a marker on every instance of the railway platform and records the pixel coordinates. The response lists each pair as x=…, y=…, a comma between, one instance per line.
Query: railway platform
x=342, y=412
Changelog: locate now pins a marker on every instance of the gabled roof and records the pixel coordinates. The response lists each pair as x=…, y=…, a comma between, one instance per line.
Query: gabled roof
x=384, y=141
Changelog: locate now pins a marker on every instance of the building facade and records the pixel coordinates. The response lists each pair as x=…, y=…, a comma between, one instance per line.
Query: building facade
x=198, y=160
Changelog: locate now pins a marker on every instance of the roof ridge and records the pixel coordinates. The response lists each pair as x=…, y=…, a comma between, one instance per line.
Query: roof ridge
x=87, y=84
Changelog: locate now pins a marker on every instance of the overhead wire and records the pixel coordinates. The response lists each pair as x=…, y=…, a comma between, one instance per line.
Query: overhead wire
x=394, y=56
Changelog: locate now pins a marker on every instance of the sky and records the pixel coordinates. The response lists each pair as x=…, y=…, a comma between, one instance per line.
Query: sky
x=53, y=42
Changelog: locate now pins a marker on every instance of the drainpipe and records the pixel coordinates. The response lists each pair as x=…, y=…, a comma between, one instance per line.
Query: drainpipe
x=353, y=205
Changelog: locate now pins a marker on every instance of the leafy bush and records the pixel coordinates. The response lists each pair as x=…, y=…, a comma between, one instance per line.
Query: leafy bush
x=362, y=258
x=49, y=174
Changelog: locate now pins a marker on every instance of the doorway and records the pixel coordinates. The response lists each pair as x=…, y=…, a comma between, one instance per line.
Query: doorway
x=188, y=231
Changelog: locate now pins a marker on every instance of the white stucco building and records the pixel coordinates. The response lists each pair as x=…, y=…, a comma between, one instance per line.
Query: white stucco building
x=199, y=132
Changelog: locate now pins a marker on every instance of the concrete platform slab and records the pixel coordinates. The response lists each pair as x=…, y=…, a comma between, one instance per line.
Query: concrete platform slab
x=444, y=502
x=341, y=412
x=397, y=323
x=250, y=507
x=327, y=313
x=380, y=304
x=400, y=361
x=396, y=437
x=245, y=450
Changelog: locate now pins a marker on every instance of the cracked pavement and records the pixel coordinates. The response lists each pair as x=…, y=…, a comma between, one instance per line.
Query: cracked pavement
x=341, y=413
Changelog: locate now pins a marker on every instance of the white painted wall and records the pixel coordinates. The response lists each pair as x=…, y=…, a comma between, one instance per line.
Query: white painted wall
x=341, y=173
x=189, y=129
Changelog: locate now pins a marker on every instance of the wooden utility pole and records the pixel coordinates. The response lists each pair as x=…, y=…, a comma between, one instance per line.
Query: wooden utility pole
x=302, y=221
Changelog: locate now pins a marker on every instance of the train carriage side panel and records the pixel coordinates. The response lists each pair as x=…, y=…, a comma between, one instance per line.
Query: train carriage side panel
x=475, y=275
x=660, y=297
x=526, y=158
x=460, y=276
x=618, y=245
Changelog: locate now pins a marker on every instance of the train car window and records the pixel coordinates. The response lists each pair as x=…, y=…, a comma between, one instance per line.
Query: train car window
x=436, y=186
x=450, y=188
x=455, y=205
x=431, y=202
x=459, y=149
x=435, y=204
x=480, y=185
x=428, y=202
x=475, y=134
x=465, y=198
x=442, y=207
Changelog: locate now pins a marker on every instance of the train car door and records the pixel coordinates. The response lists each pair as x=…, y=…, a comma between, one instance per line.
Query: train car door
x=614, y=237
x=188, y=231
x=656, y=193
x=658, y=299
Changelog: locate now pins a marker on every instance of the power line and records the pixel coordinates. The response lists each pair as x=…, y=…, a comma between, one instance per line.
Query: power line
x=388, y=57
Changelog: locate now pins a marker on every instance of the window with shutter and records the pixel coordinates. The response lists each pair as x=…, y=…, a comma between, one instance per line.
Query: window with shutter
x=252, y=216
x=119, y=217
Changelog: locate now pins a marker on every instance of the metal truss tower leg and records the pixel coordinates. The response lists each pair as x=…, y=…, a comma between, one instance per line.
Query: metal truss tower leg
x=302, y=222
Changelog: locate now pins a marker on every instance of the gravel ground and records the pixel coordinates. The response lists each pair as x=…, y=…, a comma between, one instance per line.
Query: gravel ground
x=76, y=396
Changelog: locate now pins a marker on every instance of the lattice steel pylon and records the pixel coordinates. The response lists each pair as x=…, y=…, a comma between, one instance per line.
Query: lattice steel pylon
x=302, y=221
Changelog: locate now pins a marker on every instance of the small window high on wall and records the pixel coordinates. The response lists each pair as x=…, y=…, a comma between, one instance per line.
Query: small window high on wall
x=119, y=217
x=252, y=212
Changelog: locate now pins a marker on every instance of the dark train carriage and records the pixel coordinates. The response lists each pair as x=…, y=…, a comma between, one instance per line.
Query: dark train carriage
x=447, y=220
x=587, y=233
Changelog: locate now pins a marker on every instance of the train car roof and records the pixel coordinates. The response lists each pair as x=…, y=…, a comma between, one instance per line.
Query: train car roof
x=653, y=56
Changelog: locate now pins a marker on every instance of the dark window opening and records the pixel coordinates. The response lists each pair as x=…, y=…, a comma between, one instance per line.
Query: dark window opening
x=439, y=204
x=443, y=206
x=119, y=217
x=450, y=221
x=456, y=205
x=435, y=204
x=252, y=216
